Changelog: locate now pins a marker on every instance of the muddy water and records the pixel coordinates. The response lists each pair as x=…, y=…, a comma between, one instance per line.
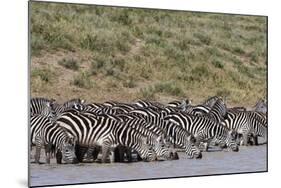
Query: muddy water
x=248, y=159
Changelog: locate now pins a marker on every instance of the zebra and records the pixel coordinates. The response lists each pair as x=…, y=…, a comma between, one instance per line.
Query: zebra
x=175, y=134
x=45, y=133
x=124, y=106
x=218, y=111
x=92, y=106
x=203, y=128
x=261, y=106
x=37, y=122
x=210, y=101
x=247, y=123
x=179, y=105
x=104, y=132
x=197, y=110
x=42, y=106
x=71, y=104
x=145, y=129
x=143, y=104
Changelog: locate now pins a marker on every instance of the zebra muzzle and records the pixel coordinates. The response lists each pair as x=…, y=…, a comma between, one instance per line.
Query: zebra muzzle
x=199, y=156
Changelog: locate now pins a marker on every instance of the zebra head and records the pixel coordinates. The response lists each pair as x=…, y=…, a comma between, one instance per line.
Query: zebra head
x=68, y=150
x=149, y=155
x=261, y=106
x=79, y=104
x=191, y=149
x=147, y=152
x=231, y=140
x=163, y=150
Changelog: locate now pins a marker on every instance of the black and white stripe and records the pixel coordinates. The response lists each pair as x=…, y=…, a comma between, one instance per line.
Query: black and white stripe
x=42, y=106
x=44, y=133
x=77, y=104
x=105, y=132
x=203, y=128
x=247, y=123
x=175, y=134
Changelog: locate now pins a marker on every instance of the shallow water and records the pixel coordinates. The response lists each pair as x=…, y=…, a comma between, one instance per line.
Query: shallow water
x=248, y=159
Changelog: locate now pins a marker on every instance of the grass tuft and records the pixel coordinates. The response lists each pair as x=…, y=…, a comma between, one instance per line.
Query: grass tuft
x=69, y=64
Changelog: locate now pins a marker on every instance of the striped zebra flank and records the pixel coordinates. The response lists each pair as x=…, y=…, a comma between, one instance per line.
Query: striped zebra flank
x=105, y=132
x=204, y=129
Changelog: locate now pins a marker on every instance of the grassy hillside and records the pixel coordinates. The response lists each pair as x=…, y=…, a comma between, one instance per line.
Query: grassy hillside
x=103, y=53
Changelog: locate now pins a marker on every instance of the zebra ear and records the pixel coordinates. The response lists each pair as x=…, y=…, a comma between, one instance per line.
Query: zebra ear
x=82, y=101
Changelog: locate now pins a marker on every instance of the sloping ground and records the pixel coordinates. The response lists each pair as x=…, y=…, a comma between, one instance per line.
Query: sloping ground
x=103, y=53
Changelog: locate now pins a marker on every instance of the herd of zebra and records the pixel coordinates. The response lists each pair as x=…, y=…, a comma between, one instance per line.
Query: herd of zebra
x=76, y=132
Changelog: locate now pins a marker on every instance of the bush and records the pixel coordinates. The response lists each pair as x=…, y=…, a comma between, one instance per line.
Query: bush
x=238, y=50
x=69, y=64
x=44, y=74
x=168, y=88
x=83, y=80
x=129, y=83
x=200, y=71
x=147, y=93
x=204, y=38
x=218, y=64
x=223, y=92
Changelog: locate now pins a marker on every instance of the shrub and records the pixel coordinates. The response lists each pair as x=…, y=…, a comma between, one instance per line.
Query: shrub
x=204, y=38
x=238, y=50
x=37, y=44
x=200, y=71
x=83, y=80
x=168, y=88
x=218, y=64
x=129, y=83
x=223, y=92
x=147, y=93
x=69, y=64
x=44, y=74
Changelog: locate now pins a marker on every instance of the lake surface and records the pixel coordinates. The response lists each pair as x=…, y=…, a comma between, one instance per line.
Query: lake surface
x=248, y=159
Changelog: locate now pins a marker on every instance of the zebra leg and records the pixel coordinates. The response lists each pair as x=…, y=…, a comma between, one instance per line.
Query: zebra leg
x=116, y=153
x=105, y=152
x=129, y=154
x=255, y=140
x=88, y=156
x=38, y=145
x=80, y=152
x=37, y=154
x=121, y=153
x=244, y=141
x=48, y=151
x=205, y=146
x=112, y=156
x=58, y=156
x=96, y=152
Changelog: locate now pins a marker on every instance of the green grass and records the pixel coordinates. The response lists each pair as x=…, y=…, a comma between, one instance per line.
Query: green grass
x=149, y=52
